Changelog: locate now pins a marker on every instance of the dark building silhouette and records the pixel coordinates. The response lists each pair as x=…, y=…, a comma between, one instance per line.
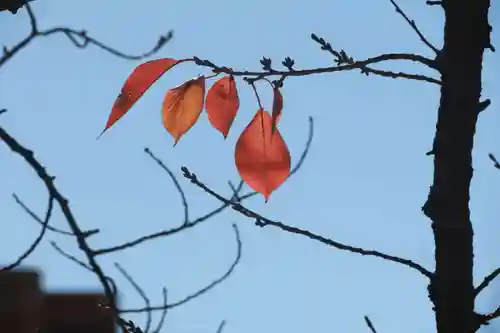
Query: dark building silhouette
x=24, y=308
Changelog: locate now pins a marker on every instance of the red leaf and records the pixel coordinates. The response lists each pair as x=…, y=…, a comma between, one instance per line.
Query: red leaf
x=277, y=108
x=182, y=107
x=222, y=104
x=141, y=79
x=263, y=164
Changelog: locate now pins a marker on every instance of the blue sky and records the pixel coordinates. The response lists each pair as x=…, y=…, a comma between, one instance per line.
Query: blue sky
x=363, y=183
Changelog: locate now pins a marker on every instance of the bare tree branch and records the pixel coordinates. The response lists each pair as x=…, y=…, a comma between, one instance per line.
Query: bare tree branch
x=487, y=280
x=492, y=157
x=35, y=217
x=370, y=324
x=345, y=63
x=199, y=292
x=37, y=240
x=63, y=204
x=263, y=221
x=176, y=183
x=80, y=39
x=413, y=25
x=84, y=266
x=164, y=312
x=141, y=292
x=221, y=326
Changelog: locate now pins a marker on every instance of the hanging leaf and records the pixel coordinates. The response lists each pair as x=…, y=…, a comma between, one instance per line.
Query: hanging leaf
x=263, y=164
x=141, y=79
x=277, y=108
x=182, y=107
x=222, y=104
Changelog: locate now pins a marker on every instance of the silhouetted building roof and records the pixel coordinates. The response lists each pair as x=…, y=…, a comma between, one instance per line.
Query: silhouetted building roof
x=24, y=308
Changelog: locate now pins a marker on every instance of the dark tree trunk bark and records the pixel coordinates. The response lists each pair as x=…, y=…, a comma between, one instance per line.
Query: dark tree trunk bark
x=466, y=35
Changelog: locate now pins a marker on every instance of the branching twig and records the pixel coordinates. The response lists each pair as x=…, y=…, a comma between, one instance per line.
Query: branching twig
x=199, y=292
x=63, y=204
x=84, y=266
x=35, y=217
x=262, y=221
x=79, y=38
x=361, y=64
x=141, y=293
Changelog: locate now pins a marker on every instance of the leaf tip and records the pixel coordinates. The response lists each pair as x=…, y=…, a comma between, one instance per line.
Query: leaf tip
x=99, y=136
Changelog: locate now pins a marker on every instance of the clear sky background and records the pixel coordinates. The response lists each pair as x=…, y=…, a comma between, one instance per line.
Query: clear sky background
x=363, y=183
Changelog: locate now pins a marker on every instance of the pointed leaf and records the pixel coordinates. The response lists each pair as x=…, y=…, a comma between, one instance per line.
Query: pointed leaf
x=277, y=108
x=222, y=104
x=263, y=164
x=141, y=79
x=182, y=107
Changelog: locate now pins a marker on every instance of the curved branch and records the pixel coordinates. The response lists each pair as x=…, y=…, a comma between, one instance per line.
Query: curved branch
x=80, y=39
x=37, y=240
x=161, y=322
x=202, y=290
x=35, y=217
x=141, y=293
x=175, y=181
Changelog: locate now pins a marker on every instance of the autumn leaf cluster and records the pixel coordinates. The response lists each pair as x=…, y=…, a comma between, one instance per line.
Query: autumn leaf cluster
x=261, y=155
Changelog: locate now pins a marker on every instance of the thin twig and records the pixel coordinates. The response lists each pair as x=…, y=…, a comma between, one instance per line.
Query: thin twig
x=221, y=326
x=35, y=217
x=492, y=157
x=141, y=293
x=175, y=181
x=201, y=291
x=413, y=25
x=370, y=324
x=161, y=322
x=83, y=265
x=37, y=240
x=262, y=221
x=71, y=257
x=80, y=39
x=487, y=280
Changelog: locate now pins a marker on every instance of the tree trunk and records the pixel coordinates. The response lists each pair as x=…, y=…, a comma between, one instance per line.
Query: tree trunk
x=466, y=35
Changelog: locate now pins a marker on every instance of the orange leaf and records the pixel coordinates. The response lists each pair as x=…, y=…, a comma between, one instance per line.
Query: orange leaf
x=141, y=79
x=222, y=104
x=277, y=108
x=182, y=107
x=263, y=164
